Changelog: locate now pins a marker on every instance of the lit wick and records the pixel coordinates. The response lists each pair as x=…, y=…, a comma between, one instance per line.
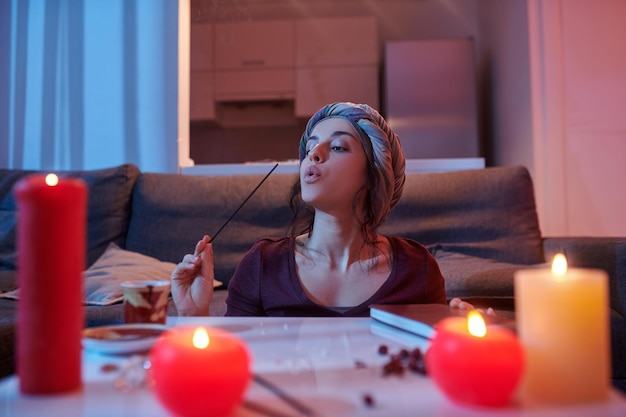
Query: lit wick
x=51, y=180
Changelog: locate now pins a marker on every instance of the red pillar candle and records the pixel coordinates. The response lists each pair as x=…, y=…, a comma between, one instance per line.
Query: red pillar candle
x=51, y=221
x=474, y=364
x=199, y=372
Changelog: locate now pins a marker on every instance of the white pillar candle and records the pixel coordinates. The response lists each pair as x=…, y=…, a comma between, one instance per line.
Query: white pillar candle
x=563, y=324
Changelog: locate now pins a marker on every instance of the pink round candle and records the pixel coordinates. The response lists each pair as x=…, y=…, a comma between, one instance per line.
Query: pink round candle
x=199, y=371
x=51, y=222
x=475, y=370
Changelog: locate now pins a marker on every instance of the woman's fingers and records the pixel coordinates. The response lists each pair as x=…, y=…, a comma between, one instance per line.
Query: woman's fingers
x=191, y=264
x=460, y=304
x=187, y=268
x=201, y=245
x=464, y=305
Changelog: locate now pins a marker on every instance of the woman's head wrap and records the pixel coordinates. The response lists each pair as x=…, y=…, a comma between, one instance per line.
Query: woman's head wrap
x=382, y=147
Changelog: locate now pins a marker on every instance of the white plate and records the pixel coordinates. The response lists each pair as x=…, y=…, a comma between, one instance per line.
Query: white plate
x=122, y=338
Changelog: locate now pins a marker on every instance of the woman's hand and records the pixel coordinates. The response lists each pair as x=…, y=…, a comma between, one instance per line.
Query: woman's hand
x=464, y=305
x=192, y=281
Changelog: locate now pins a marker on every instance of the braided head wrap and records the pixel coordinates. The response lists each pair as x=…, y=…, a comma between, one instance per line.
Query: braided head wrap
x=382, y=147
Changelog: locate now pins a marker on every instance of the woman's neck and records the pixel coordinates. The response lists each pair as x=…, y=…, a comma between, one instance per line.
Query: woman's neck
x=339, y=242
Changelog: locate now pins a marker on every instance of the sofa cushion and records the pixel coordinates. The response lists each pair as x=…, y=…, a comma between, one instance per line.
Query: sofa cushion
x=170, y=213
x=487, y=282
x=8, y=310
x=8, y=280
x=488, y=213
x=606, y=253
x=108, y=209
x=103, y=280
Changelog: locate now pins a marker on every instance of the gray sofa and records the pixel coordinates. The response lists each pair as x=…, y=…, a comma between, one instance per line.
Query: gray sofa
x=481, y=226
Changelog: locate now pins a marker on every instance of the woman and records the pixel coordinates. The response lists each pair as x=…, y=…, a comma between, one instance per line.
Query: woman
x=336, y=264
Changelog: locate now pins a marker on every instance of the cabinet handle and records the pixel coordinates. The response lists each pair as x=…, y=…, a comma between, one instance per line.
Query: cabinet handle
x=253, y=63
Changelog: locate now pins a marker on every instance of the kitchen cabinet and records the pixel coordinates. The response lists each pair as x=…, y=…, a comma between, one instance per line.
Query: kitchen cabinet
x=201, y=96
x=254, y=60
x=337, y=42
x=201, y=78
x=201, y=56
x=309, y=62
x=337, y=59
x=277, y=84
x=258, y=44
x=317, y=87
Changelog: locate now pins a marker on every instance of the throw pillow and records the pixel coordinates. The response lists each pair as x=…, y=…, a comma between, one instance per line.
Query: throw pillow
x=102, y=281
x=108, y=209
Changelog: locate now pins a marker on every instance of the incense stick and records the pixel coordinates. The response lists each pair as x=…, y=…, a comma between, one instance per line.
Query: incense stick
x=242, y=204
x=262, y=409
x=294, y=403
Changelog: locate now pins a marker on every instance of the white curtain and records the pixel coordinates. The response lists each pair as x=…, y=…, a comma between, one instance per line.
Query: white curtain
x=87, y=84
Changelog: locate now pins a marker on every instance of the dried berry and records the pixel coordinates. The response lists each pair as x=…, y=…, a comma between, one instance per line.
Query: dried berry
x=368, y=400
x=412, y=360
x=383, y=349
x=404, y=354
x=109, y=367
x=416, y=353
x=417, y=365
x=393, y=367
x=359, y=364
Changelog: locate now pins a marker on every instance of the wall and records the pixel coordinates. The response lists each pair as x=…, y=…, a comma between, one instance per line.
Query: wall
x=397, y=19
x=594, y=46
x=578, y=79
x=505, y=80
x=555, y=84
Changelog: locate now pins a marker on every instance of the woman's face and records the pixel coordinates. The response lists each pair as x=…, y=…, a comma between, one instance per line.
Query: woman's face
x=335, y=166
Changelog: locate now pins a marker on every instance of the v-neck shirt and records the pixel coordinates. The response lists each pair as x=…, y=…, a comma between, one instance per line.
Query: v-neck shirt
x=266, y=282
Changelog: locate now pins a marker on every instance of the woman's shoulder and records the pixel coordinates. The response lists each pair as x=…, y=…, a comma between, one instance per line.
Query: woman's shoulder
x=268, y=245
x=266, y=251
x=406, y=244
x=405, y=249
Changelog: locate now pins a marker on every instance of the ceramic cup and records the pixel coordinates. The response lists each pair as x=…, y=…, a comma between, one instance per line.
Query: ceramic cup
x=145, y=301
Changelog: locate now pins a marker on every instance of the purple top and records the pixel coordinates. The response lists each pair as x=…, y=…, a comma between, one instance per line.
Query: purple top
x=266, y=282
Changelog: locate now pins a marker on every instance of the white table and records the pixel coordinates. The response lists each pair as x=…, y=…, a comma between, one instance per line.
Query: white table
x=313, y=359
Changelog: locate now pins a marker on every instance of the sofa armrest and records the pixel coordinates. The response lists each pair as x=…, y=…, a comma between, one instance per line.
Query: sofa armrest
x=607, y=253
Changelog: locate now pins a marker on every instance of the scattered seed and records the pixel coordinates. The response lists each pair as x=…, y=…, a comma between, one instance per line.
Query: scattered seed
x=368, y=400
x=393, y=367
x=404, y=354
x=398, y=363
x=416, y=353
x=109, y=367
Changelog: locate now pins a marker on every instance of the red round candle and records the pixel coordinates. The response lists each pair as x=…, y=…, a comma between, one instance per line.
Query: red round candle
x=475, y=370
x=198, y=371
x=51, y=237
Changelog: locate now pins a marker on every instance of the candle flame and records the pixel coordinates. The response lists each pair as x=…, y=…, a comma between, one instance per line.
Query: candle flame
x=51, y=180
x=559, y=266
x=476, y=324
x=201, y=338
